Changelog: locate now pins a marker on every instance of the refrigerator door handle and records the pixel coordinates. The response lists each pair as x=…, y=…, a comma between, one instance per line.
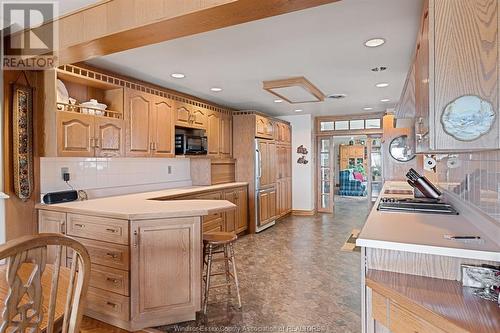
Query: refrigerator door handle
x=259, y=164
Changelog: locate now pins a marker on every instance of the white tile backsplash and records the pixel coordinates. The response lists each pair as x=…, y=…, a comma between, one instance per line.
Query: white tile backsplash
x=114, y=176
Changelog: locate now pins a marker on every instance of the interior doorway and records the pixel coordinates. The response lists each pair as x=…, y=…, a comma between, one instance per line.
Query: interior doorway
x=349, y=168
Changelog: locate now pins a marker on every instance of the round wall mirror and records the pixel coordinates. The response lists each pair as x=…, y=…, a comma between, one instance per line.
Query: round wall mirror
x=400, y=149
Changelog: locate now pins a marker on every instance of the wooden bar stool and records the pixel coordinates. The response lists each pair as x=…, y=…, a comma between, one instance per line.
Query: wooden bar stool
x=219, y=243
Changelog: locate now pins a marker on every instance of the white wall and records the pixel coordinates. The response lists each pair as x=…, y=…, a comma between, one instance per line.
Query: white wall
x=114, y=176
x=303, y=175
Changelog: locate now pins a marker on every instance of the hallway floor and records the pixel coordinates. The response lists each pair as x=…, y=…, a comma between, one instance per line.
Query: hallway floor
x=293, y=276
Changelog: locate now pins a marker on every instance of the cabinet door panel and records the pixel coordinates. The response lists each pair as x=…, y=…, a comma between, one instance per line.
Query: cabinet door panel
x=182, y=114
x=264, y=163
x=226, y=136
x=138, y=114
x=213, y=133
x=52, y=222
x=242, y=210
x=76, y=134
x=273, y=213
x=199, y=118
x=231, y=216
x=163, y=128
x=166, y=267
x=109, y=137
x=422, y=129
x=263, y=200
x=466, y=63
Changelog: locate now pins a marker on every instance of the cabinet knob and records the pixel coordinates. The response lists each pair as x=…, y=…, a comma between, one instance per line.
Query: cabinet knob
x=79, y=225
x=111, y=230
x=115, y=281
x=111, y=304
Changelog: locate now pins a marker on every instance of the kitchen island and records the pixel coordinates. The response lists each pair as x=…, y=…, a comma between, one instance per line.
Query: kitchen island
x=145, y=249
x=411, y=273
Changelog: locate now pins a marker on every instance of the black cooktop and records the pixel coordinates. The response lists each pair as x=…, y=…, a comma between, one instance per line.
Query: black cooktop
x=416, y=205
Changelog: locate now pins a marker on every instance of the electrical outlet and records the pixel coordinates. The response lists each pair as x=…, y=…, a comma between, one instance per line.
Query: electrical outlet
x=64, y=170
x=169, y=169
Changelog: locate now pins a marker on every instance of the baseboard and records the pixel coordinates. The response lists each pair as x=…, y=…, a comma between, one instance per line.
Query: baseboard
x=303, y=212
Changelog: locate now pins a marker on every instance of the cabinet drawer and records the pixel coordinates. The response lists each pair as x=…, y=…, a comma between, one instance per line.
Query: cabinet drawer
x=106, y=254
x=108, y=304
x=214, y=225
x=110, y=279
x=402, y=321
x=100, y=228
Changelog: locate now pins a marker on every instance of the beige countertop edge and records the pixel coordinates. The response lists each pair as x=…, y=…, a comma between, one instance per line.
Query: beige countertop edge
x=422, y=233
x=213, y=206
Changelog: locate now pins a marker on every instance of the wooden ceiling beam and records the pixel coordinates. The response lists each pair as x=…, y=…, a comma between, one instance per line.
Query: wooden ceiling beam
x=117, y=25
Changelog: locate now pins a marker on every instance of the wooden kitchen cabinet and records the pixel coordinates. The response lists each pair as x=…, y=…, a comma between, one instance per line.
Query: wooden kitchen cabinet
x=109, y=137
x=143, y=273
x=138, y=112
x=150, y=127
x=213, y=133
x=165, y=280
x=264, y=127
x=83, y=135
x=188, y=115
x=456, y=55
x=267, y=204
x=226, y=136
x=52, y=222
x=75, y=134
x=162, y=128
x=237, y=220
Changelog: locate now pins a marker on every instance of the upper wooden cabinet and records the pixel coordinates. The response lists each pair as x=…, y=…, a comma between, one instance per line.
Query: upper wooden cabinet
x=83, y=135
x=191, y=116
x=264, y=127
x=138, y=113
x=226, y=136
x=456, y=55
x=150, y=127
x=213, y=133
x=282, y=133
x=162, y=127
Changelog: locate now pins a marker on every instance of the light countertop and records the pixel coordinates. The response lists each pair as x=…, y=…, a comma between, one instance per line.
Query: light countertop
x=140, y=206
x=424, y=233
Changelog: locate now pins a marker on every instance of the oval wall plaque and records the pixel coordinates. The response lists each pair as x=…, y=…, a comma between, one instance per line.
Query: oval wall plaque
x=468, y=117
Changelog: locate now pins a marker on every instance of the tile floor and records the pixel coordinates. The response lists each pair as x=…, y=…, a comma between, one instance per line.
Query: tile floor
x=293, y=278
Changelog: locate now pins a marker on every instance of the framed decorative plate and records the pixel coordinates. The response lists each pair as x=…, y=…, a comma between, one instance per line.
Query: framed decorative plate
x=467, y=118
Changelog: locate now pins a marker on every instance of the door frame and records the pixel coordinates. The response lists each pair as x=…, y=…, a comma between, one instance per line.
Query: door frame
x=317, y=177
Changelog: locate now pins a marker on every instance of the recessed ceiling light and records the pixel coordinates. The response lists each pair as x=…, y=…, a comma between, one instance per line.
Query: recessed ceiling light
x=278, y=100
x=367, y=108
x=385, y=100
x=382, y=85
x=177, y=75
x=299, y=110
x=215, y=89
x=374, y=42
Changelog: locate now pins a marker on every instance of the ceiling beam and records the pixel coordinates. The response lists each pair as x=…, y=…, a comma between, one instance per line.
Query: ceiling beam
x=117, y=25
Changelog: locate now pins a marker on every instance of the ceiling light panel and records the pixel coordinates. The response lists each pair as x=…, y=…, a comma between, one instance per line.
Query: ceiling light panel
x=375, y=42
x=294, y=90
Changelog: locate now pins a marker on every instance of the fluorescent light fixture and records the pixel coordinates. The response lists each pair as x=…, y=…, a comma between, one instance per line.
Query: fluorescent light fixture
x=278, y=100
x=367, y=108
x=215, y=89
x=299, y=110
x=382, y=85
x=374, y=42
x=177, y=75
x=385, y=100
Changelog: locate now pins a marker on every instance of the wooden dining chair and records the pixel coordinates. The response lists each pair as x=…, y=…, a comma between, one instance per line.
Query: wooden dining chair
x=37, y=294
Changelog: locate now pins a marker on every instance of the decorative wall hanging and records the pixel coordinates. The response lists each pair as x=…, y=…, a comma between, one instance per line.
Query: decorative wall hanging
x=303, y=151
x=400, y=150
x=468, y=117
x=22, y=120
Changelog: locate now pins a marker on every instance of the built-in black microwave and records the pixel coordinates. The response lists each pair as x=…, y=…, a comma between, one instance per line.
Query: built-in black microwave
x=190, y=145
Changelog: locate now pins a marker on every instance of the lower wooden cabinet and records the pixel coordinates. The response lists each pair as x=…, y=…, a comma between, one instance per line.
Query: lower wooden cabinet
x=149, y=281
x=233, y=221
x=267, y=205
x=284, y=196
x=165, y=282
x=398, y=319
